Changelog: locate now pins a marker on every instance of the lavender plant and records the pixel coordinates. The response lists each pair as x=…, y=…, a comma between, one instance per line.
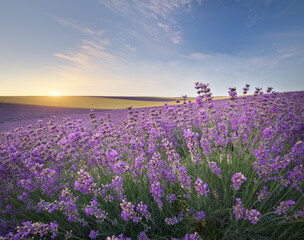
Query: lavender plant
x=229, y=169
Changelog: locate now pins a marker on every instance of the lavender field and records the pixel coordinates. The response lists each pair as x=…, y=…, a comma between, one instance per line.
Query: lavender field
x=203, y=169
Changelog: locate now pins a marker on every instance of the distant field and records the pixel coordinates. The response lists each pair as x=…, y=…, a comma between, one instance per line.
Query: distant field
x=151, y=99
x=91, y=102
x=82, y=102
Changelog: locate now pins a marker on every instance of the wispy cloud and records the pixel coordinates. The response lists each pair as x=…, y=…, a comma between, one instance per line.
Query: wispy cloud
x=92, y=51
x=158, y=18
x=176, y=37
x=285, y=55
x=120, y=7
x=85, y=55
x=130, y=48
x=76, y=57
x=76, y=26
x=272, y=60
x=86, y=65
x=165, y=27
x=164, y=13
x=162, y=10
x=197, y=56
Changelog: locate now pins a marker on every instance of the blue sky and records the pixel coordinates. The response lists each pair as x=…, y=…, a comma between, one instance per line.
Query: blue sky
x=149, y=47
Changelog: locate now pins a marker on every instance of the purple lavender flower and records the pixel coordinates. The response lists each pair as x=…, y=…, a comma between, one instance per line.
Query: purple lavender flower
x=46, y=206
x=215, y=169
x=157, y=193
x=28, y=228
x=184, y=179
x=239, y=210
x=181, y=216
x=253, y=216
x=192, y=144
x=237, y=180
x=117, y=186
x=206, y=146
x=263, y=194
x=193, y=236
x=143, y=236
x=171, y=198
x=93, y=210
x=199, y=216
x=120, y=237
x=268, y=132
x=296, y=177
x=175, y=220
x=128, y=212
x=201, y=187
x=241, y=213
x=284, y=207
x=85, y=183
x=27, y=184
x=93, y=234
x=142, y=209
x=67, y=204
x=171, y=221
x=298, y=214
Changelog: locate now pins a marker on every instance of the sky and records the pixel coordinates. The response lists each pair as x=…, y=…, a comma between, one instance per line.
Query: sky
x=149, y=47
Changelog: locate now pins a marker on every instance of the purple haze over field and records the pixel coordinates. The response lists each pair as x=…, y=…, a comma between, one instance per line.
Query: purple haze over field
x=19, y=115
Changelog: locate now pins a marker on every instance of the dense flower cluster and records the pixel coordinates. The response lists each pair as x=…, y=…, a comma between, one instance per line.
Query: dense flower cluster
x=239, y=210
x=129, y=213
x=241, y=213
x=93, y=210
x=192, y=144
x=142, y=175
x=199, y=216
x=201, y=187
x=253, y=216
x=215, y=169
x=284, y=207
x=93, y=234
x=175, y=220
x=84, y=183
x=263, y=194
x=171, y=198
x=237, y=180
x=29, y=229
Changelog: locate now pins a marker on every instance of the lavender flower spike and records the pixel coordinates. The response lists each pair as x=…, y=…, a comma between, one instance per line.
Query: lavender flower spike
x=237, y=180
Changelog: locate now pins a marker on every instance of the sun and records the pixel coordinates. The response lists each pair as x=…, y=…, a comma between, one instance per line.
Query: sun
x=54, y=94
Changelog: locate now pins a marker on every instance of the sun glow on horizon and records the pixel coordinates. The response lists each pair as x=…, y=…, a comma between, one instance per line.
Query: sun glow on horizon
x=55, y=94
